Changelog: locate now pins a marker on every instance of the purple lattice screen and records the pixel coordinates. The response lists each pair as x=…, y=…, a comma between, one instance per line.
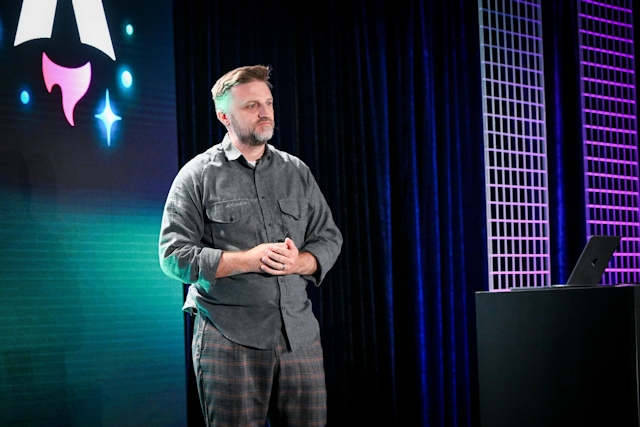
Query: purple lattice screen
x=610, y=131
x=515, y=144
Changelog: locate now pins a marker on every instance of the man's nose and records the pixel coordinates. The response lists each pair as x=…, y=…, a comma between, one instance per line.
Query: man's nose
x=264, y=111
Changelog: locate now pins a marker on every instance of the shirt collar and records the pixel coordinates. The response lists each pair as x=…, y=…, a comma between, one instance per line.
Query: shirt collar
x=231, y=152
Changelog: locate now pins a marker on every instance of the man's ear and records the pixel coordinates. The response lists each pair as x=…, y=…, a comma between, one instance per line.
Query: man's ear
x=223, y=117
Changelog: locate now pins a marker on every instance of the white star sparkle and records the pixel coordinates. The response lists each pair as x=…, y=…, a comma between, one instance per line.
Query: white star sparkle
x=108, y=117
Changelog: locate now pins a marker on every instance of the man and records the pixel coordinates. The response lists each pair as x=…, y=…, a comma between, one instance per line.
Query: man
x=247, y=226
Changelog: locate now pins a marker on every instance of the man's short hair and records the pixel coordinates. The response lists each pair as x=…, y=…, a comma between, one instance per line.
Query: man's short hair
x=250, y=73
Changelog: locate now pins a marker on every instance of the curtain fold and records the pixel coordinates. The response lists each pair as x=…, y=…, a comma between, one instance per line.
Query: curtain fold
x=383, y=102
x=564, y=136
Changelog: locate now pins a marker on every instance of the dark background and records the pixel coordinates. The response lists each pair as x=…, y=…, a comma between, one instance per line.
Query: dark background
x=383, y=100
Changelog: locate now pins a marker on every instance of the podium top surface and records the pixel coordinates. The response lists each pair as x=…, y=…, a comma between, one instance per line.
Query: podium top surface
x=560, y=288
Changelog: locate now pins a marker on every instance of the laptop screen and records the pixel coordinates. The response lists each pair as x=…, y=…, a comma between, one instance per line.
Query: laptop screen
x=593, y=261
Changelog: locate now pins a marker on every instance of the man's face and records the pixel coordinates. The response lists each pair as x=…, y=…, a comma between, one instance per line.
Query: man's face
x=250, y=113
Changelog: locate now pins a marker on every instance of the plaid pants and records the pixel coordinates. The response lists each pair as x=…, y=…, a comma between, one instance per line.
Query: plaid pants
x=242, y=387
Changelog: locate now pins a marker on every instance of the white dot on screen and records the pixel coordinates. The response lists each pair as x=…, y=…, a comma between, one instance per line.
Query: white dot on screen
x=127, y=79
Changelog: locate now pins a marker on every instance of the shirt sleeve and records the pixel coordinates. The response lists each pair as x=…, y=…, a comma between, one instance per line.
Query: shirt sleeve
x=322, y=238
x=182, y=255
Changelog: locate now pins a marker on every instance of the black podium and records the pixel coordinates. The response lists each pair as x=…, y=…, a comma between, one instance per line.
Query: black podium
x=559, y=357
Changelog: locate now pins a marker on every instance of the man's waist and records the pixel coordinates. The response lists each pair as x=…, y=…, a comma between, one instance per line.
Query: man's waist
x=257, y=326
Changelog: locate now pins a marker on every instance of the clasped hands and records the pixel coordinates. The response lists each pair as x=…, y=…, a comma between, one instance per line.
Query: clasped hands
x=280, y=258
x=276, y=259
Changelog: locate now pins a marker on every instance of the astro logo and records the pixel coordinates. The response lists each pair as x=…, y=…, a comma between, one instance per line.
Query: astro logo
x=36, y=22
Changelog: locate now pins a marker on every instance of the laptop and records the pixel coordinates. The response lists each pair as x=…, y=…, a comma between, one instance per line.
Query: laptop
x=593, y=261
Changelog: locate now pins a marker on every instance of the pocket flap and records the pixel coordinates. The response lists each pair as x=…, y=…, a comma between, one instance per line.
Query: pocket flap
x=290, y=207
x=228, y=212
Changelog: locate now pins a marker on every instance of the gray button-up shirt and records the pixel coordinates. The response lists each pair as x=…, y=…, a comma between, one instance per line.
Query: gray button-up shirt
x=219, y=202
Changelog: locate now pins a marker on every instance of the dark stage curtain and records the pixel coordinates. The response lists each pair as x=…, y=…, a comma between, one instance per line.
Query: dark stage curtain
x=563, y=110
x=383, y=101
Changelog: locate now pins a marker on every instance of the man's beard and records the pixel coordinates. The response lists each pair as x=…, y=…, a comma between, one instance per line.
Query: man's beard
x=252, y=136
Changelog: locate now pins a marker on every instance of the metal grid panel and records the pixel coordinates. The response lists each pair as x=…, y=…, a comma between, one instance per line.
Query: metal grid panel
x=610, y=130
x=515, y=143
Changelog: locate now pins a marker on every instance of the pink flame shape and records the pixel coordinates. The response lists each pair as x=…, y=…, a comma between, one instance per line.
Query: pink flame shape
x=73, y=82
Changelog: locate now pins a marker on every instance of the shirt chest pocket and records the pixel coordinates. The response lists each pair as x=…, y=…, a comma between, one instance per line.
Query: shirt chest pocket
x=294, y=218
x=229, y=212
x=231, y=224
